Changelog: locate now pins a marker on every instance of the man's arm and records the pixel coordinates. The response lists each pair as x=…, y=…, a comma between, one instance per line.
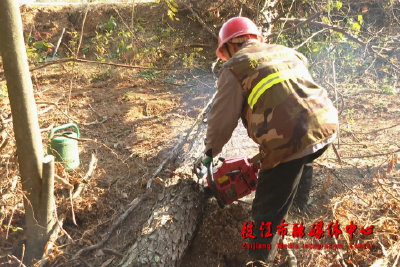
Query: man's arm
x=225, y=112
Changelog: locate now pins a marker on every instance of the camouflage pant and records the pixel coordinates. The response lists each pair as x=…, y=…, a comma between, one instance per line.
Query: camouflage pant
x=276, y=190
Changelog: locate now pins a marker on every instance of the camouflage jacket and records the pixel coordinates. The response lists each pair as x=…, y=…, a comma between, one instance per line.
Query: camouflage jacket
x=283, y=109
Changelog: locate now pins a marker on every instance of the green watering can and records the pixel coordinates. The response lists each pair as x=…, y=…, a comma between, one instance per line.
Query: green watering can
x=64, y=149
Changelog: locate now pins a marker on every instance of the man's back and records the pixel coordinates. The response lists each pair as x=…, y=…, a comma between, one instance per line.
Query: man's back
x=285, y=112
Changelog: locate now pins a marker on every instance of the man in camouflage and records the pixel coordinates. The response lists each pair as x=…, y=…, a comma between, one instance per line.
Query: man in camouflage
x=284, y=111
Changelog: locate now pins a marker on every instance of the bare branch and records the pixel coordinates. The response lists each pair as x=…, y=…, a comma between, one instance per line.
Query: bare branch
x=133, y=205
x=79, y=60
x=323, y=25
x=300, y=22
x=199, y=19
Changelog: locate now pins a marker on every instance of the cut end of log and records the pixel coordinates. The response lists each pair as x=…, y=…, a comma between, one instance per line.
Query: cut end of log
x=47, y=159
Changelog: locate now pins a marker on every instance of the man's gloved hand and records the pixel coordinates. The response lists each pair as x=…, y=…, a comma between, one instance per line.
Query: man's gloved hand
x=206, y=160
x=202, y=160
x=199, y=163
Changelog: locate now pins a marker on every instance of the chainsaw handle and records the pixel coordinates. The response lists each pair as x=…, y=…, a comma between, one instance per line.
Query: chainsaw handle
x=232, y=173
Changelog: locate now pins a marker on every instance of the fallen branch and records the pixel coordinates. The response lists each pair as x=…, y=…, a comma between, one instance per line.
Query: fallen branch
x=98, y=114
x=63, y=182
x=132, y=205
x=18, y=261
x=292, y=260
x=379, y=129
x=45, y=110
x=89, y=174
x=171, y=155
x=57, y=107
x=47, y=129
x=95, y=122
x=79, y=60
x=104, y=119
x=197, y=79
x=112, y=252
x=337, y=154
x=349, y=188
x=370, y=156
x=192, y=45
x=199, y=19
x=384, y=189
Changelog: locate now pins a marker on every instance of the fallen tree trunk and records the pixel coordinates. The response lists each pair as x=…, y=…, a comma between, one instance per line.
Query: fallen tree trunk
x=164, y=238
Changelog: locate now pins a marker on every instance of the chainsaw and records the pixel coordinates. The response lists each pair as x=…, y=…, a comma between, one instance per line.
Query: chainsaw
x=234, y=179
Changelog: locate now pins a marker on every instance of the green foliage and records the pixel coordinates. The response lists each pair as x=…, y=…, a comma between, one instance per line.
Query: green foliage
x=86, y=49
x=110, y=25
x=360, y=19
x=122, y=46
x=149, y=75
x=349, y=115
x=339, y=5
x=13, y=228
x=331, y=5
x=172, y=9
x=387, y=89
x=38, y=47
x=102, y=75
x=101, y=45
x=356, y=27
x=169, y=79
x=177, y=42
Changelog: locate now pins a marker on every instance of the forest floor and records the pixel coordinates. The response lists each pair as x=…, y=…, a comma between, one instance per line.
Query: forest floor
x=136, y=116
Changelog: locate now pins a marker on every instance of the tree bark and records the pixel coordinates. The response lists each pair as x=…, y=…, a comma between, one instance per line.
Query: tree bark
x=165, y=237
x=46, y=219
x=23, y=108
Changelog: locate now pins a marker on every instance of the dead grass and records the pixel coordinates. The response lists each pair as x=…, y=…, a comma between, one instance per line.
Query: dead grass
x=145, y=113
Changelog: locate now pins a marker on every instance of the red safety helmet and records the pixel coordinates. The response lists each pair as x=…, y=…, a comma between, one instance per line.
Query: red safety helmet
x=235, y=27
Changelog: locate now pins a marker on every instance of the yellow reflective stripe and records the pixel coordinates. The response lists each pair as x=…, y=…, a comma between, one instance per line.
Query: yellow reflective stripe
x=271, y=80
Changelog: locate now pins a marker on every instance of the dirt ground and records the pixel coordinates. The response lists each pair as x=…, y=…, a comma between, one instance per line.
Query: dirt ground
x=137, y=115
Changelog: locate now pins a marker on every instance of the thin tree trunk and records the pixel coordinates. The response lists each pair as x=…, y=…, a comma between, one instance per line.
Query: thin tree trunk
x=26, y=127
x=46, y=219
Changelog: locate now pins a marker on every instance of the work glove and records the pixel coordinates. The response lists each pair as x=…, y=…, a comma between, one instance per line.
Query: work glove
x=200, y=164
